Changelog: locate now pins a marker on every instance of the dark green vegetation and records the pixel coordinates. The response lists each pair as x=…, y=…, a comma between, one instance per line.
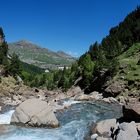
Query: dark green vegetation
x=12, y=65
x=55, y=79
x=33, y=54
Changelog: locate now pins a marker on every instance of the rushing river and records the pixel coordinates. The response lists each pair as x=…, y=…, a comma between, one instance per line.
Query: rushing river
x=75, y=122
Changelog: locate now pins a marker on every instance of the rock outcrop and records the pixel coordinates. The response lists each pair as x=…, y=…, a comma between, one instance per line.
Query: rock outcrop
x=115, y=88
x=127, y=131
x=103, y=128
x=131, y=111
x=34, y=113
x=88, y=97
x=111, y=130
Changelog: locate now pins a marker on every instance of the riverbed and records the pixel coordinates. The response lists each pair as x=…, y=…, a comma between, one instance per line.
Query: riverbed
x=75, y=122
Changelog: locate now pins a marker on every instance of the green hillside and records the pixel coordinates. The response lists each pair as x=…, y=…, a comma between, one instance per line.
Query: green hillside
x=41, y=57
x=129, y=71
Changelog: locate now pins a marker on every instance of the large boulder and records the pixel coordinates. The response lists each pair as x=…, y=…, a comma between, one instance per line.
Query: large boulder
x=35, y=113
x=112, y=130
x=127, y=131
x=103, y=128
x=74, y=90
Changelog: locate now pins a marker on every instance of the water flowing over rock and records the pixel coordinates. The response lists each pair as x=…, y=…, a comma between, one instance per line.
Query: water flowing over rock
x=35, y=113
x=5, y=129
x=75, y=122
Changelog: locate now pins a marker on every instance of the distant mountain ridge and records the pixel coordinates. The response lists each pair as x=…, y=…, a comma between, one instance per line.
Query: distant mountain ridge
x=42, y=57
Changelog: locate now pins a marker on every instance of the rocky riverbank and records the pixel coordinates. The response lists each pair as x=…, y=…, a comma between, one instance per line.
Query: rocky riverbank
x=13, y=94
x=126, y=127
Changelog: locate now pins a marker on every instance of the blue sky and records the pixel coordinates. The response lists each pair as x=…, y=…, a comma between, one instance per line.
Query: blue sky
x=68, y=25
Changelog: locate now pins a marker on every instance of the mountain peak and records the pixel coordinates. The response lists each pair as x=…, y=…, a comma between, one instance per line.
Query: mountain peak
x=42, y=57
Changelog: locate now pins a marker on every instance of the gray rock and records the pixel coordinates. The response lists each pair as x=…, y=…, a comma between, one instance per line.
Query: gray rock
x=110, y=100
x=103, y=128
x=94, y=136
x=35, y=113
x=115, y=88
x=138, y=127
x=19, y=80
x=74, y=90
x=82, y=97
x=102, y=138
x=127, y=131
x=95, y=95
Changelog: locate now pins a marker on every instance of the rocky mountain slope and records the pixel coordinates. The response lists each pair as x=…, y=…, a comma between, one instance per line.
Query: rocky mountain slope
x=127, y=80
x=42, y=57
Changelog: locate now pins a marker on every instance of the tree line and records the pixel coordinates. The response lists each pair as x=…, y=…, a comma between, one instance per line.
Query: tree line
x=101, y=57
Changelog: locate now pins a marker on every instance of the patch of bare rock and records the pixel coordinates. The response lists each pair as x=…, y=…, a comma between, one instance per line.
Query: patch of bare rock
x=34, y=113
x=112, y=130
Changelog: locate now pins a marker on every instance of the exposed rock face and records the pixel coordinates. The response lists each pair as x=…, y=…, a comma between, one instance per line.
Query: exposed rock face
x=115, y=88
x=110, y=100
x=90, y=97
x=127, y=131
x=95, y=95
x=131, y=111
x=112, y=130
x=74, y=90
x=35, y=113
x=82, y=97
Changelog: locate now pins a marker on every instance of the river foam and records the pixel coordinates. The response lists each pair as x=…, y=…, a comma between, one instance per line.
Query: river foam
x=6, y=117
x=74, y=123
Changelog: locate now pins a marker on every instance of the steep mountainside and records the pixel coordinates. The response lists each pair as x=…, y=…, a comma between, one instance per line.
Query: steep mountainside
x=42, y=57
x=101, y=62
x=127, y=80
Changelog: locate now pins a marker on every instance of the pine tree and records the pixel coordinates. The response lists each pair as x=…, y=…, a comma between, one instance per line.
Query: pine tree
x=87, y=68
x=3, y=47
x=14, y=67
